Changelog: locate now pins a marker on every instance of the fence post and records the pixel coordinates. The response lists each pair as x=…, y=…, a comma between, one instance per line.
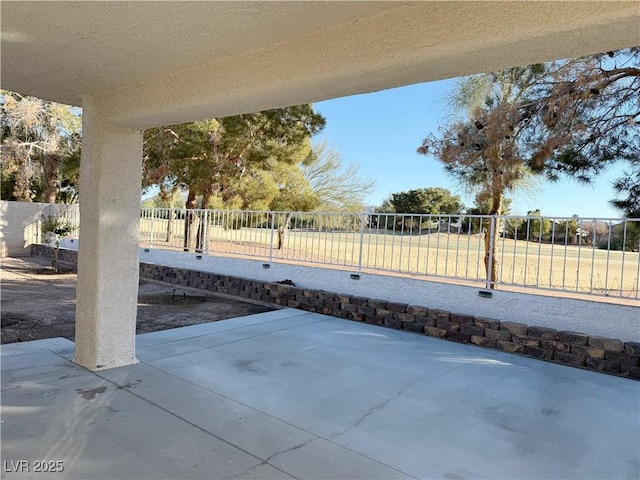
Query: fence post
x=492, y=228
x=38, y=228
x=205, y=233
x=273, y=219
x=362, y=218
x=153, y=215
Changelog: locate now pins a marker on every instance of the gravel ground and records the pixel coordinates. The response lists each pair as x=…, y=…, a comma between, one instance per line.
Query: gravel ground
x=38, y=303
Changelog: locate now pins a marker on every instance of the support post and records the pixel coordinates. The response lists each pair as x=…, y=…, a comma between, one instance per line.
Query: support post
x=108, y=268
x=151, y=239
x=362, y=220
x=492, y=227
x=273, y=219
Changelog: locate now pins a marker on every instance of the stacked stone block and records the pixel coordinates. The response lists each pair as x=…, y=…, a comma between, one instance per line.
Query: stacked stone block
x=64, y=255
x=607, y=355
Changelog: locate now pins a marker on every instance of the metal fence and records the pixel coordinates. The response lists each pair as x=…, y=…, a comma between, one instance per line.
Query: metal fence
x=594, y=256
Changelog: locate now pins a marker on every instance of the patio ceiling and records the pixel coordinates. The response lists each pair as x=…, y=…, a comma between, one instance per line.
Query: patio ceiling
x=151, y=63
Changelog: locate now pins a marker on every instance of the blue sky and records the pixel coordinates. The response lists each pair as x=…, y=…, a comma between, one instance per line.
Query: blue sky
x=381, y=132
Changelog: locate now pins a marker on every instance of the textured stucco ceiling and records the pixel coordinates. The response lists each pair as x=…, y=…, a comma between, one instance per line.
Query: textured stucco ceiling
x=150, y=63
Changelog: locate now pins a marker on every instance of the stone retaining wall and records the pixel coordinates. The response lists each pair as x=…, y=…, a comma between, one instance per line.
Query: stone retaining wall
x=64, y=255
x=607, y=355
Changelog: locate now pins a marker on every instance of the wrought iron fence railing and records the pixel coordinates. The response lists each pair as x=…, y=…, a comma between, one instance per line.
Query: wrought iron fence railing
x=595, y=256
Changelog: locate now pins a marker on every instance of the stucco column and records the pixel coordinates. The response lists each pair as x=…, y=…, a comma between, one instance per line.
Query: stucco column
x=107, y=291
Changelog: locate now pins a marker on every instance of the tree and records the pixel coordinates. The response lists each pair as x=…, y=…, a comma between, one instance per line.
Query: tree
x=209, y=157
x=228, y=158
x=573, y=117
x=566, y=230
x=421, y=201
x=628, y=188
x=430, y=200
x=337, y=188
x=386, y=206
x=538, y=228
x=585, y=117
x=294, y=194
x=483, y=207
x=38, y=137
x=474, y=223
x=69, y=172
x=484, y=150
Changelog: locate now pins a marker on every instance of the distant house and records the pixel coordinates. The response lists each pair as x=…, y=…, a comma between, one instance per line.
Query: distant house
x=592, y=232
x=448, y=224
x=580, y=237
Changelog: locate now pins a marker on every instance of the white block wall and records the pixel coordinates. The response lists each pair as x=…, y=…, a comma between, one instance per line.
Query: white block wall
x=20, y=224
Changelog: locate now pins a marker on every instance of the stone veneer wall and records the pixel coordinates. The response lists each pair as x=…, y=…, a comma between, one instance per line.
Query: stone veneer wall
x=607, y=355
x=64, y=255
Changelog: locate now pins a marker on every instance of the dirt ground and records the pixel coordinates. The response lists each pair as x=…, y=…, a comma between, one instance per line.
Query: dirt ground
x=37, y=303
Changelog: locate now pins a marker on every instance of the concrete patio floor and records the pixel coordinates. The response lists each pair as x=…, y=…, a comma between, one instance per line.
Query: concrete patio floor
x=293, y=394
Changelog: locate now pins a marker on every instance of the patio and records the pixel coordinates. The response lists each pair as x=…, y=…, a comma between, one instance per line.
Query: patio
x=289, y=394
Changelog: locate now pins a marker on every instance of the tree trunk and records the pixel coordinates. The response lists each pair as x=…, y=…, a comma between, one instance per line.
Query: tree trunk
x=201, y=235
x=491, y=240
x=51, y=161
x=171, y=214
x=207, y=195
x=283, y=228
x=191, y=222
x=22, y=187
x=170, y=225
x=200, y=240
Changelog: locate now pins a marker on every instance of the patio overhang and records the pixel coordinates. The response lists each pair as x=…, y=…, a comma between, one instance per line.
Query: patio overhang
x=133, y=65
x=156, y=63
